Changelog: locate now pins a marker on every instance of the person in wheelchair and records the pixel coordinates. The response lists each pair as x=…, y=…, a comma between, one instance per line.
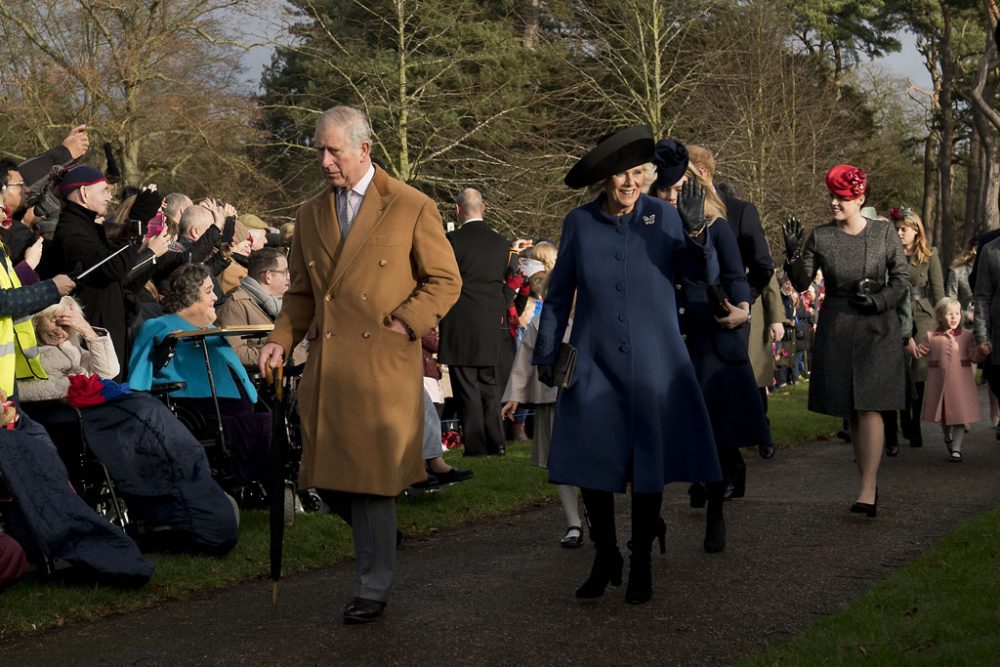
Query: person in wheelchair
x=67, y=345
x=158, y=358
x=156, y=465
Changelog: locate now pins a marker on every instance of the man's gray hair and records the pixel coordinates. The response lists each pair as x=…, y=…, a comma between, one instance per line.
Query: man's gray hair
x=354, y=121
x=174, y=202
x=194, y=216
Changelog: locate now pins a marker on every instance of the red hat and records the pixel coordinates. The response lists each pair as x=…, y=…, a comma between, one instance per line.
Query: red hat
x=846, y=182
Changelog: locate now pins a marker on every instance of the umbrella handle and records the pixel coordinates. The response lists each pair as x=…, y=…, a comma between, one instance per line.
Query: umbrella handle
x=276, y=378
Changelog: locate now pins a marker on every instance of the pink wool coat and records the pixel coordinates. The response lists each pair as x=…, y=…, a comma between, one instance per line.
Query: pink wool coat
x=951, y=395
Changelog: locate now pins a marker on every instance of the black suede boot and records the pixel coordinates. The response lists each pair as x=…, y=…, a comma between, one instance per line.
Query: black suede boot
x=608, y=561
x=646, y=525
x=715, y=525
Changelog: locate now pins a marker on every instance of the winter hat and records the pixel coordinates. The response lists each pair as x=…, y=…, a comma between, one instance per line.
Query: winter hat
x=77, y=176
x=671, y=160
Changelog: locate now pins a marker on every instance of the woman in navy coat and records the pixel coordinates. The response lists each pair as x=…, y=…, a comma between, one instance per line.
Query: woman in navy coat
x=633, y=411
x=718, y=350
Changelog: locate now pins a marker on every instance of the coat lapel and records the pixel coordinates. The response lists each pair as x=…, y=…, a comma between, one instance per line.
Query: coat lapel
x=369, y=217
x=328, y=226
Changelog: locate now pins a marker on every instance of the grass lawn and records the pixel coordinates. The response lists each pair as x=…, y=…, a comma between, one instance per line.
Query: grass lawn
x=501, y=486
x=941, y=609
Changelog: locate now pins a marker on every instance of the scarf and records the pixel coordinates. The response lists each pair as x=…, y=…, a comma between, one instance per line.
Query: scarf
x=268, y=303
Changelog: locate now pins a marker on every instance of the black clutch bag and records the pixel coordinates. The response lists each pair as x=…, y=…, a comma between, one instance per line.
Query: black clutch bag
x=562, y=370
x=717, y=297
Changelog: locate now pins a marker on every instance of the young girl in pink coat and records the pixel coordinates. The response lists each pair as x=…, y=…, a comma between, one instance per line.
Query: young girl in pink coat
x=951, y=397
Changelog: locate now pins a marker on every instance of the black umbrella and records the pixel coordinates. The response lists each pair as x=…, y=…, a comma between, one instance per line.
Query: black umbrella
x=279, y=444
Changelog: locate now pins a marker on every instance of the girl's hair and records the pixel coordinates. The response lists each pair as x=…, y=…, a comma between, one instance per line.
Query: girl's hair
x=714, y=207
x=921, y=248
x=539, y=284
x=967, y=257
x=545, y=253
x=942, y=307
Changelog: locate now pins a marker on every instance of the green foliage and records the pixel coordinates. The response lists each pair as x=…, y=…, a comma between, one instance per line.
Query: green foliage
x=941, y=609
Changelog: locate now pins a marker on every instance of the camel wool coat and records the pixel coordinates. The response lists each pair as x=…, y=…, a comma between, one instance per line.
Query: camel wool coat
x=361, y=393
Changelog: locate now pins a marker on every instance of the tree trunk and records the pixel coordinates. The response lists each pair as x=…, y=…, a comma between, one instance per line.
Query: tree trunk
x=930, y=180
x=530, y=27
x=945, y=148
x=973, y=194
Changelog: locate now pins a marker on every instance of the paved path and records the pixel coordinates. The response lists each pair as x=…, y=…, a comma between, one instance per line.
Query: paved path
x=502, y=594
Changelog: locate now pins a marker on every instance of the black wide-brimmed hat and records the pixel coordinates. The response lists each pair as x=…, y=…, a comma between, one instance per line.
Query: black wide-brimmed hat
x=614, y=153
x=671, y=160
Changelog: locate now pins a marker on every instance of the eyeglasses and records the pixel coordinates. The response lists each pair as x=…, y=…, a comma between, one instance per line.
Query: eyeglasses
x=19, y=184
x=278, y=271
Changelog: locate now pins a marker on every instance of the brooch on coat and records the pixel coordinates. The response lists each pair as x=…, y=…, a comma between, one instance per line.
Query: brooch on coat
x=649, y=219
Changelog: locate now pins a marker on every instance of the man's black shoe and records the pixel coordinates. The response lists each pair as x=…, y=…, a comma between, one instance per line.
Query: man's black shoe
x=451, y=477
x=766, y=450
x=432, y=482
x=361, y=611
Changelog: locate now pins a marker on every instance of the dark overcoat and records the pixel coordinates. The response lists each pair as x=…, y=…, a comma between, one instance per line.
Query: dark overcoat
x=857, y=358
x=755, y=255
x=473, y=333
x=78, y=244
x=926, y=289
x=719, y=355
x=634, y=410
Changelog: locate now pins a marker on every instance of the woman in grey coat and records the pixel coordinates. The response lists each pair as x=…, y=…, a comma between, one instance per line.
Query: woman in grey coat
x=857, y=357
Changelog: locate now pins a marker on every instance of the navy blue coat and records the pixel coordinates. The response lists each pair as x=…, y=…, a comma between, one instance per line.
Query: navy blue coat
x=634, y=411
x=720, y=355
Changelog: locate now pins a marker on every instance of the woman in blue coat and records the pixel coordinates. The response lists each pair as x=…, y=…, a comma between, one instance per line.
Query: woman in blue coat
x=633, y=411
x=711, y=319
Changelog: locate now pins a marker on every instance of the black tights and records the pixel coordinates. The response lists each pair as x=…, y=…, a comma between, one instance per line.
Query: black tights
x=601, y=517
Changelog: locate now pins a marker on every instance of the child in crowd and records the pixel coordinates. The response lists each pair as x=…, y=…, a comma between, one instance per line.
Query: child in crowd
x=524, y=387
x=951, y=396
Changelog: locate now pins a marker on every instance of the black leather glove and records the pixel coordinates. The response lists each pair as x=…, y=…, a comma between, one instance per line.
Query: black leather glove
x=792, y=233
x=546, y=375
x=691, y=207
x=865, y=304
x=147, y=203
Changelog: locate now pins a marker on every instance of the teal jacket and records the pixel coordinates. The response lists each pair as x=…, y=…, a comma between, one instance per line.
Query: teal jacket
x=188, y=363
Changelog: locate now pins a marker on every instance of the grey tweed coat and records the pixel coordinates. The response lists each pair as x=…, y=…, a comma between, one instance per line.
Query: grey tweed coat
x=857, y=358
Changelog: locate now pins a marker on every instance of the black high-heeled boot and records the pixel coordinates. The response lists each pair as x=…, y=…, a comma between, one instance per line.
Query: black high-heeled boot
x=697, y=493
x=660, y=535
x=607, y=569
x=608, y=561
x=647, y=525
x=715, y=525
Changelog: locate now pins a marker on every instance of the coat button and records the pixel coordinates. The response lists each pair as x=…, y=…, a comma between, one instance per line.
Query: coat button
x=620, y=287
x=312, y=263
x=623, y=317
x=619, y=256
x=382, y=262
x=366, y=334
x=364, y=296
x=680, y=311
x=621, y=229
x=626, y=348
x=327, y=334
x=677, y=287
x=328, y=297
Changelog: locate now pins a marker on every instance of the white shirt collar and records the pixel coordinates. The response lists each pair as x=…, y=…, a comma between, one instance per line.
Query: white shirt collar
x=361, y=187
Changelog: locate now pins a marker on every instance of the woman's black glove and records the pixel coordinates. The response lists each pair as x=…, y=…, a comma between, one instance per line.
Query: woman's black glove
x=792, y=232
x=546, y=375
x=691, y=207
x=147, y=203
x=865, y=304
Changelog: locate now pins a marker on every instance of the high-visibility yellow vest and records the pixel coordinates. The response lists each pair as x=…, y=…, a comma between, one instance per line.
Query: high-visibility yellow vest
x=18, y=347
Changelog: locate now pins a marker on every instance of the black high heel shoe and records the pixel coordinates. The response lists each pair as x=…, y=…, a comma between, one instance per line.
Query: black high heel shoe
x=607, y=569
x=699, y=495
x=871, y=509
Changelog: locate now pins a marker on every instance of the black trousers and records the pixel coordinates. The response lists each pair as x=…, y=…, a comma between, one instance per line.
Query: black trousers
x=477, y=391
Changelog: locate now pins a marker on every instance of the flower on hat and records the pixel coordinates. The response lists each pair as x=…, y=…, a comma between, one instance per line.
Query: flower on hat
x=846, y=181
